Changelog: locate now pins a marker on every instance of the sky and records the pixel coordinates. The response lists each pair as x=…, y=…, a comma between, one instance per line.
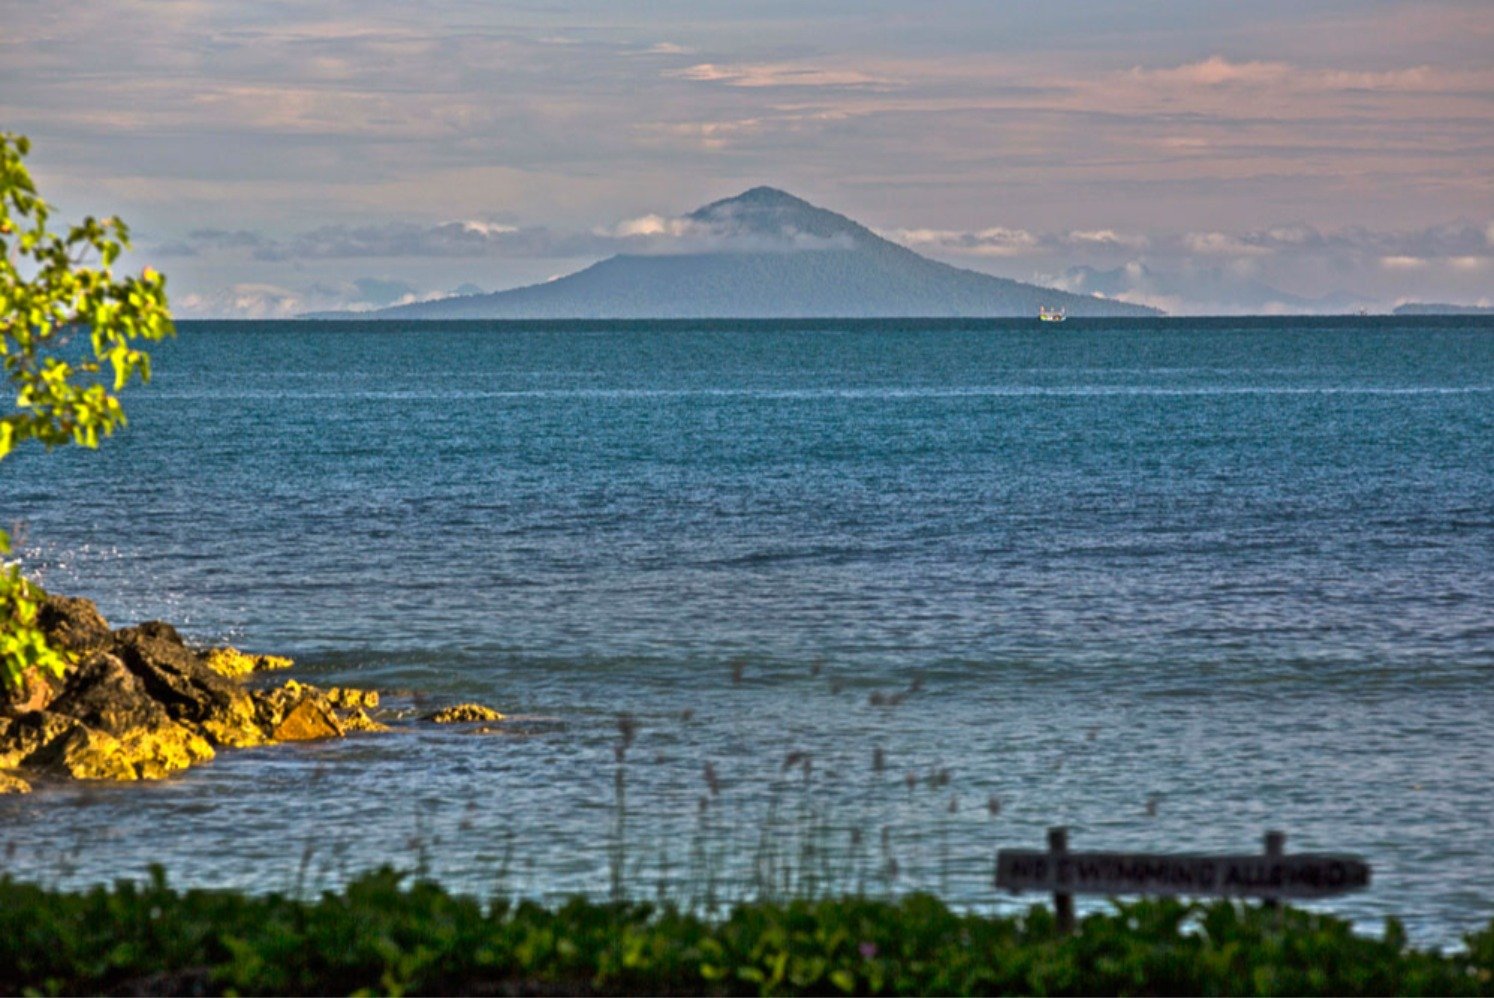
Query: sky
x=1207, y=156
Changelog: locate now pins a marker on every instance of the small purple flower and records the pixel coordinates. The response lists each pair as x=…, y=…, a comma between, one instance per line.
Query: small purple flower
x=868, y=950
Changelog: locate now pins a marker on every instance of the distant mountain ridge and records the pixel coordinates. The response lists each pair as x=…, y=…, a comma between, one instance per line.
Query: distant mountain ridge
x=1440, y=308
x=765, y=254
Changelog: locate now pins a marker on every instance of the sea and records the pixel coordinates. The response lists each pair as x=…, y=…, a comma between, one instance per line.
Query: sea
x=804, y=606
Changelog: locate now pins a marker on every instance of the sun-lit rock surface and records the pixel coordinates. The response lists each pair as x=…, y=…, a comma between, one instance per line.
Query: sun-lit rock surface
x=464, y=713
x=235, y=664
x=139, y=704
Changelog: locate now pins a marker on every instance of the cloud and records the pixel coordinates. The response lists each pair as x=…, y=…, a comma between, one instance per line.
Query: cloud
x=1105, y=237
x=649, y=225
x=268, y=300
x=1277, y=269
x=1219, y=72
x=476, y=239
x=1223, y=244
x=777, y=74
x=1214, y=71
x=995, y=241
x=468, y=238
x=241, y=301
x=720, y=230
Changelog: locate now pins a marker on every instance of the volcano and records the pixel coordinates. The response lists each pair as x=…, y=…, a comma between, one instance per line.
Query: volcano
x=766, y=254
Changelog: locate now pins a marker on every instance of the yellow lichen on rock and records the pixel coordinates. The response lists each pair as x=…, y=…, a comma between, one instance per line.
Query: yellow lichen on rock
x=165, y=750
x=235, y=724
x=23, y=737
x=82, y=752
x=228, y=662
x=355, y=719
x=347, y=697
x=47, y=741
x=235, y=664
x=464, y=713
x=298, y=712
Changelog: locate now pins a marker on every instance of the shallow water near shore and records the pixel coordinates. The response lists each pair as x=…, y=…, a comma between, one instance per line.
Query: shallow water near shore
x=1170, y=583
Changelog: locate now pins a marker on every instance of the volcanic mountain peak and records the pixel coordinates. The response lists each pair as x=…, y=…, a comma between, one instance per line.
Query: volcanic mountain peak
x=775, y=214
x=765, y=254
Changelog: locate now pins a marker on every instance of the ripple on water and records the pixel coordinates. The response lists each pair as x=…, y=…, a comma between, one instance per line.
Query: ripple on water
x=1170, y=584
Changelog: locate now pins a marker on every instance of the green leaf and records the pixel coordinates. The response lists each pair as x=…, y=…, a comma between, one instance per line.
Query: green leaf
x=48, y=291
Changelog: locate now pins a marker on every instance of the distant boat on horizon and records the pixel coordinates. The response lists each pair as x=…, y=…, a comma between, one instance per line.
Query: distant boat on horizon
x=1047, y=314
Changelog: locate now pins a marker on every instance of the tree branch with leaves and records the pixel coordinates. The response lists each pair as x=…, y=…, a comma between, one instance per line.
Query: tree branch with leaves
x=68, y=334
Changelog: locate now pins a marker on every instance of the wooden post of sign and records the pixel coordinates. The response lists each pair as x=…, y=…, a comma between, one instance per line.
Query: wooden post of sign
x=1275, y=849
x=1063, y=904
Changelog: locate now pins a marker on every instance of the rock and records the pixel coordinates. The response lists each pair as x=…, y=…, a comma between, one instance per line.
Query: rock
x=464, y=713
x=271, y=705
x=106, y=696
x=296, y=712
x=355, y=719
x=307, y=720
x=139, y=704
x=133, y=741
x=228, y=662
x=11, y=751
x=47, y=740
x=192, y=693
x=231, y=662
x=83, y=753
x=343, y=704
x=102, y=693
x=73, y=623
x=169, y=749
x=23, y=736
x=35, y=692
x=158, y=629
x=347, y=697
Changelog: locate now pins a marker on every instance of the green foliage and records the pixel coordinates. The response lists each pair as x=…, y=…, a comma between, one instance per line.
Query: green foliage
x=23, y=646
x=381, y=936
x=66, y=391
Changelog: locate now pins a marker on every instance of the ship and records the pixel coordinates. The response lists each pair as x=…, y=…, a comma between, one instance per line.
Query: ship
x=1047, y=314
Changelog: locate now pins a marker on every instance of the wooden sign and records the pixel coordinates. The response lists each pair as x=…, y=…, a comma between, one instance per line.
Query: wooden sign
x=1304, y=875
x=1272, y=874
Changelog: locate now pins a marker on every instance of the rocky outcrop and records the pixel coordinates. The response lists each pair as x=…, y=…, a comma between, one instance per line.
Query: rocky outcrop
x=139, y=703
x=465, y=713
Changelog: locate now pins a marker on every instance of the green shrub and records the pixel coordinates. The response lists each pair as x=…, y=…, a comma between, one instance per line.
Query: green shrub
x=383, y=936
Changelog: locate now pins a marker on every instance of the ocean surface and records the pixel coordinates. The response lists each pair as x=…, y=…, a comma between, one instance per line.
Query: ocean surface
x=915, y=591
